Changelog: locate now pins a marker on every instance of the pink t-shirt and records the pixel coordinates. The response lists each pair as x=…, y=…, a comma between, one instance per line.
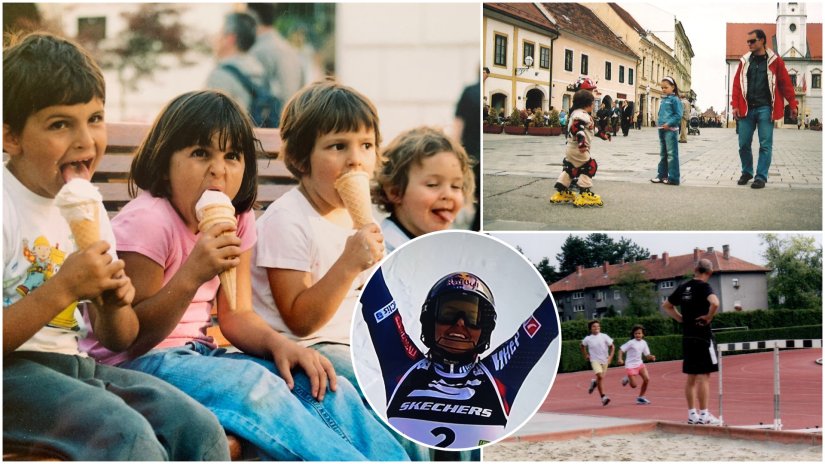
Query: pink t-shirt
x=151, y=226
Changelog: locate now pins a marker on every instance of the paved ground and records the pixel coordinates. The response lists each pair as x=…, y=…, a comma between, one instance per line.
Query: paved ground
x=519, y=173
x=747, y=400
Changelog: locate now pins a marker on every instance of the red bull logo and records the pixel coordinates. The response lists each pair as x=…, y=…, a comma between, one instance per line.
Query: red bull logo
x=463, y=281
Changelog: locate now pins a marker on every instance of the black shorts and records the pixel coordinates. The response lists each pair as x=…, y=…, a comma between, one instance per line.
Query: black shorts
x=699, y=356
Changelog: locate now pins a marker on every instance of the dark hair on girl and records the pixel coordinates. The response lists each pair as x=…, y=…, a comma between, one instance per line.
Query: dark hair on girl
x=193, y=119
x=582, y=99
x=672, y=82
x=635, y=328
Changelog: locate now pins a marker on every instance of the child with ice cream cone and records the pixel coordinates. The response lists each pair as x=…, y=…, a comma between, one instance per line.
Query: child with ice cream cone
x=177, y=237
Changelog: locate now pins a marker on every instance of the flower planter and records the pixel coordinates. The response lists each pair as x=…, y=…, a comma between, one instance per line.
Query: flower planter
x=815, y=128
x=539, y=130
x=514, y=130
x=493, y=129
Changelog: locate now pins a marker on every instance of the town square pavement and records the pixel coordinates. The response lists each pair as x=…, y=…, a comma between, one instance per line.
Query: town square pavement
x=520, y=171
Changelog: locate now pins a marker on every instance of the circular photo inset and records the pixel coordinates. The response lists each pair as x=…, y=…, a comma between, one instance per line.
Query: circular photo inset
x=456, y=341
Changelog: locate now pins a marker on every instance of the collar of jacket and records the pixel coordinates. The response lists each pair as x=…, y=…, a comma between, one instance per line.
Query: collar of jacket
x=743, y=77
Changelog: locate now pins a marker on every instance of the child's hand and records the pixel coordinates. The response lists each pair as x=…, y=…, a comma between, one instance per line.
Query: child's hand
x=121, y=296
x=665, y=126
x=215, y=252
x=651, y=358
x=289, y=354
x=89, y=272
x=621, y=362
x=365, y=247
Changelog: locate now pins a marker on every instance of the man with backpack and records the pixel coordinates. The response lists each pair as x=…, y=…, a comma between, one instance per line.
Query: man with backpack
x=240, y=74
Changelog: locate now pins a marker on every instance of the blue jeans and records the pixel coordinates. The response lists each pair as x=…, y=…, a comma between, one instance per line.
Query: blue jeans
x=73, y=408
x=760, y=119
x=668, y=156
x=253, y=402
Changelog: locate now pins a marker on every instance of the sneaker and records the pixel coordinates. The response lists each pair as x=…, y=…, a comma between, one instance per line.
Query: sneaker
x=657, y=180
x=592, y=386
x=642, y=400
x=744, y=179
x=694, y=419
x=758, y=183
x=605, y=400
x=709, y=419
x=625, y=381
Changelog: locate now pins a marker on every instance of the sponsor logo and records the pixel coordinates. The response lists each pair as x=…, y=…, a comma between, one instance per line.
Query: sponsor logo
x=531, y=326
x=445, y=407
x=463, y=281
x=452, y=391
x=409, y=346
x=503, y=355
x=386, y=311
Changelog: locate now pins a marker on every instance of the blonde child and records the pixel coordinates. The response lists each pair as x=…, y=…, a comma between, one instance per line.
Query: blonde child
x=204, y=141
x=637, y=350
x=57, y=402
x=423, y=182
x=670, y=115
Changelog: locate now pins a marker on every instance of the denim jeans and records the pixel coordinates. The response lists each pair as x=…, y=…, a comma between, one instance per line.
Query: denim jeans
x=760, y=119
x=76, y=409
x=668, y=156
x=253, y=402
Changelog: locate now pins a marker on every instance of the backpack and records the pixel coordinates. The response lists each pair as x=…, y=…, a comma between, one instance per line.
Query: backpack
x=265, y=109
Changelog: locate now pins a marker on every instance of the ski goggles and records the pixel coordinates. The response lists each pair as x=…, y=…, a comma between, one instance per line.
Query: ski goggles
x=451, y=308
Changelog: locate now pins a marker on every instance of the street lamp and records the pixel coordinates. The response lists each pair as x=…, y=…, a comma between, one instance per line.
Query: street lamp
x=528, y=61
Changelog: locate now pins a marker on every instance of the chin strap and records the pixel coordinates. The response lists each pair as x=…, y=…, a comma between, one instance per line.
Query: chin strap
x=441, y=356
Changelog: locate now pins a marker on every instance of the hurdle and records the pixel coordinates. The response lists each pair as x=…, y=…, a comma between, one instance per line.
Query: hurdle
x=776, y=345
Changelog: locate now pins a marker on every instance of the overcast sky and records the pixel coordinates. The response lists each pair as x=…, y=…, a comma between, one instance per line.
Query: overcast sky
x=747, y=246
x=704, y=22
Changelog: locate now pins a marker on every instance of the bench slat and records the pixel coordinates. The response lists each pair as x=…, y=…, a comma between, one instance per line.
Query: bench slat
x=115, y=168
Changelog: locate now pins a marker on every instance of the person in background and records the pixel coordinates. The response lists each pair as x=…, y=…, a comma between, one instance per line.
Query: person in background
x=281, y=61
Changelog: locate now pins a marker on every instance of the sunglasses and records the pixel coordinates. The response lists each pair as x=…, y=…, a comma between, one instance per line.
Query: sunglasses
x=466, y=307
x=752, y=41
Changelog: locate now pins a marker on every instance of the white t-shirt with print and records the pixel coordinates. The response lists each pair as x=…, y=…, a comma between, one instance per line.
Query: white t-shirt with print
x=36, y=242
x=635, y=349
x=598, y=346
x=292, y=235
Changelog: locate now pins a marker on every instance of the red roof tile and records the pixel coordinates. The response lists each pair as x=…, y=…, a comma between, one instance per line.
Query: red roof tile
x=737, y=33
x=525, y=11
x=655, y=270
x=583, y=22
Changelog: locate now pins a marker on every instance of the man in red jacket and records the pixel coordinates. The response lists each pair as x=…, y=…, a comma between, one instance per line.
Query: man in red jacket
x=760, y=87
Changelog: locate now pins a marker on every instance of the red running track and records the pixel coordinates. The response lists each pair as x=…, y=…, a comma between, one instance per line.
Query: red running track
x=747, y=387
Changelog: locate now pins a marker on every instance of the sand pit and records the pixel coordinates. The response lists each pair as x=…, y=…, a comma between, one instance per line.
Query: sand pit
x=652, y=446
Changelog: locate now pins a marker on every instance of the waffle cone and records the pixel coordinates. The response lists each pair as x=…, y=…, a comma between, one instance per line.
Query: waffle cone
x=86, y=232
x=354, y=189
x=216, y=214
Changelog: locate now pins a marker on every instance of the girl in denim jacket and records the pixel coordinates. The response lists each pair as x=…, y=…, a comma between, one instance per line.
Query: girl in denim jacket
x=670, y=115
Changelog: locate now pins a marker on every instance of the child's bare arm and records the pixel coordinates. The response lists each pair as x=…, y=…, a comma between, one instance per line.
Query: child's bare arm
x=115, y=324
x=305, y=307
x=619, y=357
x=84, y=275
x=584, y=353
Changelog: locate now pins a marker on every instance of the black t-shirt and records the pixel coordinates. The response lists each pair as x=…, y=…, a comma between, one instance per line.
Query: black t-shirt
x=692, y=299
x=759, y=93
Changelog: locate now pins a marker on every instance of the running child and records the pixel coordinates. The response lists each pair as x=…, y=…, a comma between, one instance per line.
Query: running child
x=423, y=182
x=669, y=120
x=577, y=161
x=598, y=349
x=637, y=350
x=57, y=402
x=204, y=141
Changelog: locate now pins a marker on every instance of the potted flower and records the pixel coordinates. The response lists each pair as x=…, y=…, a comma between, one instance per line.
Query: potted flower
x=514, y=124
x=538, y=125
x=555, y=123
x=491, y=124
x=815, y=125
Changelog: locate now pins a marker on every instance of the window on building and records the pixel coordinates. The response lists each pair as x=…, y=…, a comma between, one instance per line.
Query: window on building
x=578, y=295
x=578, y=308
x=816, y=81
x=608, y=70
x=793, y=80
x=500, y=57
x=664, y=298
x=630, y=76
x=599, y=295
x=528, y=50
x=667, y=284
x=568, y=60
x=621, y=74
x=544, y=57
x=617, y=295
x=585, y=64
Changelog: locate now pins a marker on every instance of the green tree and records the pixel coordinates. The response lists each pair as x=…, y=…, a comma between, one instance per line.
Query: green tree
x=595, y=249
x=547, y=271
x=640, y=293
x=795, y=280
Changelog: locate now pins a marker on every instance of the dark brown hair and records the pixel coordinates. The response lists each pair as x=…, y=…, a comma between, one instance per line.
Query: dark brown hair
x=193, y=119
x=321, y=108
x=41, y=70
x=412, y=147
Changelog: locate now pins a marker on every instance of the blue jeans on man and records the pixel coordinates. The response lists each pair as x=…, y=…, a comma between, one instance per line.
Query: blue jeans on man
x=758, y=119
x=669, y=156
x=253, y=402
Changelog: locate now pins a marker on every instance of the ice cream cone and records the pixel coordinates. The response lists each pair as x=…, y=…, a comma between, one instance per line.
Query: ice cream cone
x=354, y=189
x=210, y=215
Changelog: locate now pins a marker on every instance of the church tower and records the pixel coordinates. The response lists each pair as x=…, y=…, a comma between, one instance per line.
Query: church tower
x=791, y=27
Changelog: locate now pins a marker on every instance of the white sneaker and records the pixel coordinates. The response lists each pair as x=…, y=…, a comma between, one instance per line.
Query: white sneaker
x=709, y=419
x=694, y=419
x=642, y=400
x=605, y=400
x=625, y=380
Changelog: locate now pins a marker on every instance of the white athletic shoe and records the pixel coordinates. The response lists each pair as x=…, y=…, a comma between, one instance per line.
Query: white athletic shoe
x=694, y=419
x=605, y=400
x=642, y=400
x=709, y=419
x=625, y=380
